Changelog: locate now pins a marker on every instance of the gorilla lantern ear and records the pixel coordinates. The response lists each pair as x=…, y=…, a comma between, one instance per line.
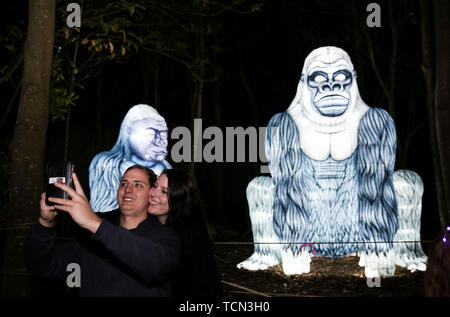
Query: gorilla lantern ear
x=354, y=74
x=302, y=78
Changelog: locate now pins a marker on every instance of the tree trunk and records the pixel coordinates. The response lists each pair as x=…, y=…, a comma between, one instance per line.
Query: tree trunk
x=197, y=102
x=442, y=100
x=156, y=83
x=69, y=111
x=201, y=55
x=28, y=144
x=244, y=80
x=218, y=175
x=99, y=142
x=428, y=67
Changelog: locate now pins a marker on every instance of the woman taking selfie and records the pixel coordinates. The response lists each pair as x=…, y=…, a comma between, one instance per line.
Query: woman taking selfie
x=175, y=201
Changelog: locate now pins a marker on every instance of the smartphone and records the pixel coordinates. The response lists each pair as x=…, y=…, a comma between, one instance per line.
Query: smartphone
x=58, y=173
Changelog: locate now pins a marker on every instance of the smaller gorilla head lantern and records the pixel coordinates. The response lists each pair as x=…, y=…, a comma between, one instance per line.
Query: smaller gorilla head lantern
x=142, y=140
x=148, y=140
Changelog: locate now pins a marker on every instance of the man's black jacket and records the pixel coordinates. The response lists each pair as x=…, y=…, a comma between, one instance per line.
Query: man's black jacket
x=114, y=261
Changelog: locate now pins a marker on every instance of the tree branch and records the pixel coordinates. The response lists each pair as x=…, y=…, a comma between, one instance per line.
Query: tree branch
x=13, y=69
x=188, y=66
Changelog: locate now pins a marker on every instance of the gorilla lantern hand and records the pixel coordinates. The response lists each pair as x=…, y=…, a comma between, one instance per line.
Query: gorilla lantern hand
x=331, y=158
x=142, y=140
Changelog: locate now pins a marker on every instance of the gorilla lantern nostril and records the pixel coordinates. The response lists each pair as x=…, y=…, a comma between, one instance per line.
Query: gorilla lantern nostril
x=325, y=88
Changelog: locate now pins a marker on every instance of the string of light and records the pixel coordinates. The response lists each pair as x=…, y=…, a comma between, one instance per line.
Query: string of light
x=326, y=242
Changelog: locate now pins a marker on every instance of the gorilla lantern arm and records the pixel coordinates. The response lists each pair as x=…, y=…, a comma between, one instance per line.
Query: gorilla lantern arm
x=290, y=223
x=377, y=202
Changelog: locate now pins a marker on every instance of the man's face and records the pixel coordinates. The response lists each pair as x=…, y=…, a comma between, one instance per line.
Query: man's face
x=134, y=193
x=148, y=139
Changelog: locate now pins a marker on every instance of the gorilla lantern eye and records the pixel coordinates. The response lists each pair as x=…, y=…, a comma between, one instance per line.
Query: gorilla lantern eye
x=340, y=77
x=319, y=78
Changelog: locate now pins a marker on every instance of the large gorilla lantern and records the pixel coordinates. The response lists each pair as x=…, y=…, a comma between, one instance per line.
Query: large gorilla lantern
x=331, y=158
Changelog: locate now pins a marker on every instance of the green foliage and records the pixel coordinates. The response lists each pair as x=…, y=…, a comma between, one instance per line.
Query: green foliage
x=106, y=28
x=109, y=31
x=106, y=34
x=61, y=97
x=13, y=38
x=11, y=43
x=184, y=31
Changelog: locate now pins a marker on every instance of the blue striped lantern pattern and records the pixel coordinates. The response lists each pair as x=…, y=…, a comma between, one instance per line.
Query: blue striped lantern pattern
x=260, y=196
x=409, y=191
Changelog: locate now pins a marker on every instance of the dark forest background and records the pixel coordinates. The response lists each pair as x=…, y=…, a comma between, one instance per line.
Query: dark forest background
x=230, y=63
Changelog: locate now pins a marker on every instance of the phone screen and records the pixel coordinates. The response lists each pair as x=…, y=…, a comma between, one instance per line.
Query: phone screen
x=61, y=173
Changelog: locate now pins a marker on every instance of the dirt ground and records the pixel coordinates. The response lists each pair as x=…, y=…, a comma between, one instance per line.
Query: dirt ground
x=340, y=277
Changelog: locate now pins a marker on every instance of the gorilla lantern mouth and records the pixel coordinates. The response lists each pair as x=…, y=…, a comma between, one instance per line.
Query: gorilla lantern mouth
x=333, y=105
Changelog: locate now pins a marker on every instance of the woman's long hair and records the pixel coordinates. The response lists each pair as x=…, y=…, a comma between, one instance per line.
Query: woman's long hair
x=198, y=275
x=437, y=275
x=184, y=205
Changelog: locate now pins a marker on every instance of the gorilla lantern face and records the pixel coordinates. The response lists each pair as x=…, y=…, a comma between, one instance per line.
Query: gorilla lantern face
x=148, y=139
x=327, y=107
x=330, y=89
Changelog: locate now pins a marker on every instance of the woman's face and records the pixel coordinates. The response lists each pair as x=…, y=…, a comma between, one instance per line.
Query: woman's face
x=159, y=199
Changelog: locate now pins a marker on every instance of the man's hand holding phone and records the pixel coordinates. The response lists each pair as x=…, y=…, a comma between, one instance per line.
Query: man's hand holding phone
x=78, y=207
x=48, y=213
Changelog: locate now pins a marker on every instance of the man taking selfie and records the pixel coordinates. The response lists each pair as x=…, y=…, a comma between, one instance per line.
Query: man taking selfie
x=128, y=252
